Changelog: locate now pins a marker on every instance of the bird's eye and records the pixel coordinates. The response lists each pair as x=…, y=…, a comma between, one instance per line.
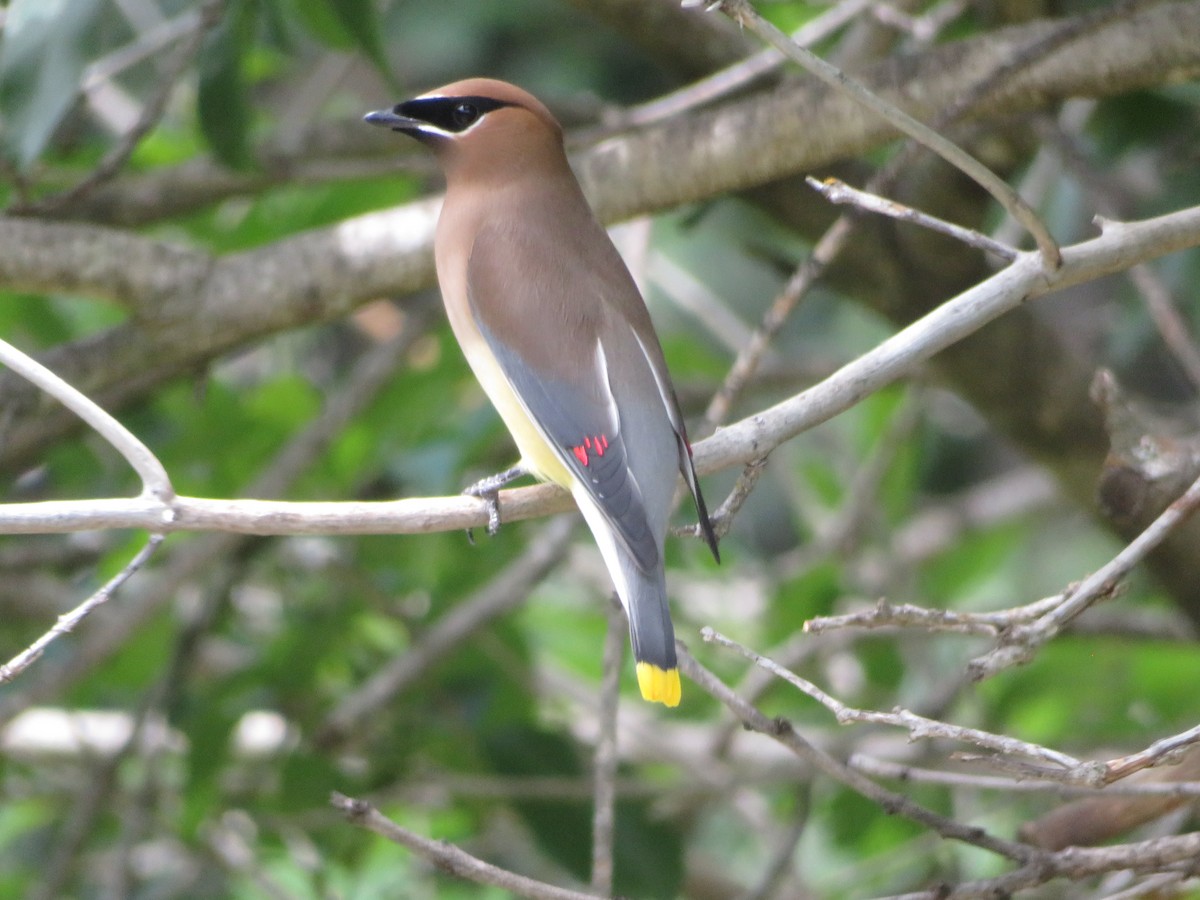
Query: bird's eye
x=464, y=114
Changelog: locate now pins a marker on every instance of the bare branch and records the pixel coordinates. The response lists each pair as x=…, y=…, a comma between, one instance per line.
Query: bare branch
x=838, y=192
x=882, y=768
x=1171, y=325
x=801, y=281
x=156, y=484
x=191, y=559
x=1119, y=246
x=1019, y=644
x=784, y=733
x=920, y=727
x=113, y=161
x=742, y=12
x=744, y=72
x=329, y=151
x=197, y=309
x=945, y=325
x=722, y=518
x=604, y=768
x=980, y=90
x=905, y=615
x=1118, y=809
x=448, y=857
x=1035, y=866
x=507, y=590
x=67, y=623
x=1075, y=863
x=1164, y=750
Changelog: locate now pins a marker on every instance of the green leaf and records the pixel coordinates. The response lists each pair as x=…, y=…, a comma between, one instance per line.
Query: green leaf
x=361, y=20
x=43, y=52
x=343, y=25
x=223, y=102
x=322, y=22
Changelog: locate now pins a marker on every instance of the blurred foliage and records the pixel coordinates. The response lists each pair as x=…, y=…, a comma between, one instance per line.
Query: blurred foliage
x=292, y=627
x=43, y=51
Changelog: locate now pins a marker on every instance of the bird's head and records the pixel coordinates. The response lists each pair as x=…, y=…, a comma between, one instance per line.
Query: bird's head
x=478, y=126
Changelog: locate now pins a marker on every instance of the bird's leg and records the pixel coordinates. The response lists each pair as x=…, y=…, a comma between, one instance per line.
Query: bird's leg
x=488, y=490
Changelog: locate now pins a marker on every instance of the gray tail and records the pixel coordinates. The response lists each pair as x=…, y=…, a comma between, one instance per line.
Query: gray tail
x=650, y=630
x=643, y=593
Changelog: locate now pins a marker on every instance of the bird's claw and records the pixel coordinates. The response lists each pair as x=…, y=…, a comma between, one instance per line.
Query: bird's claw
x=488, y=490
x=490, y=495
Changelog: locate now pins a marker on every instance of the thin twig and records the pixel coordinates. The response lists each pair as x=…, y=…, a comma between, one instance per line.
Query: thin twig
x=906, y=615
x=783, y=856
x=1118, y=247
x=884, y=615
x=722, y=518
x=827, y=248
x=793, y=651
x=1075, y=863
x=115, y=159
x=839, y=193
x=146, y=44
x=156, y=483
x=750, y=356
x=1061, y=144
x=1170, y=324
x=919, y=727
x=943, y=326
x=448, y=857
x=883, y=768
x=507, y=590
x=1163, y=750
x=782, y=731
x=1156, y=887
x=66, y=623
x=742, y=12
x=838, y=234
x=1018, y=645
x=191, y=559
x=742, y=73
x=604, y=769
x=1035, y=866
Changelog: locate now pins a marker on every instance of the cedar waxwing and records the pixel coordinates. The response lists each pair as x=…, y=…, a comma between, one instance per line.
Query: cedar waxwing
x=556, y=331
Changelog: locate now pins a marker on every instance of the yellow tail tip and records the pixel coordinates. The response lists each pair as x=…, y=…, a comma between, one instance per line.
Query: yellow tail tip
x=659, y=685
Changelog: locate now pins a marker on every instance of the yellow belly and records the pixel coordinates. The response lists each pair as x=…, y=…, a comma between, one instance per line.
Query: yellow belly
x=536, y=455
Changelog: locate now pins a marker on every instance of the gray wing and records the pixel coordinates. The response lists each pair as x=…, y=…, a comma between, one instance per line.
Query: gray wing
x=550, y=349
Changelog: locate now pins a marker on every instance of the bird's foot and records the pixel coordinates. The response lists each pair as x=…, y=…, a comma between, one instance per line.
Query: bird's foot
x=488, y=490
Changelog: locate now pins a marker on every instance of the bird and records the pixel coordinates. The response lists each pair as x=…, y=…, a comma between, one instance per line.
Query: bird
x=556, y=331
